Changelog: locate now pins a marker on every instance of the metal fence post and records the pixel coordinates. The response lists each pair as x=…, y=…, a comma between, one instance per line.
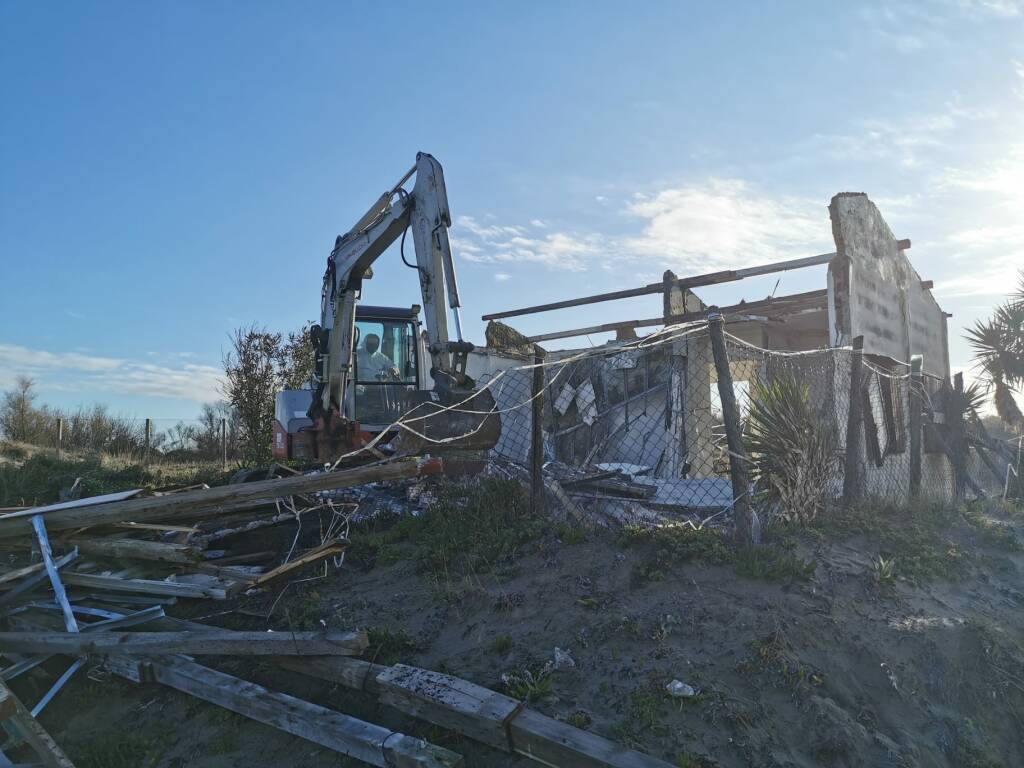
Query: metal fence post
x=149, y=440
x=60, y=438
x=851, y=467
x=916, y=406
x=538, y=497
x=738, y=460
x=224, y=444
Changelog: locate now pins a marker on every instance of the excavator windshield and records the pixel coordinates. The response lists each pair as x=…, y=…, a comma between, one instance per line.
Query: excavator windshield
x=386, y=368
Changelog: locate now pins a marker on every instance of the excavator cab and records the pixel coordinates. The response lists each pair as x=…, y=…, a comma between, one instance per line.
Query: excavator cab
x=386, y=365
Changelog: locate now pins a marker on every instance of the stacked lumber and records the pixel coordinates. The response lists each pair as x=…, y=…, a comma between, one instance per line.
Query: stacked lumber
x=113, y=562
x=105, y=568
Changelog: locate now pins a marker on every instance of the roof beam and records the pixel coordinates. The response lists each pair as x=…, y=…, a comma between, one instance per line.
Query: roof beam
x=775, y=306
x=711, y=278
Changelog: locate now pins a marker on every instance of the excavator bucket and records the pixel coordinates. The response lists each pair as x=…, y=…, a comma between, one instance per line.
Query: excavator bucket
x=459, y=420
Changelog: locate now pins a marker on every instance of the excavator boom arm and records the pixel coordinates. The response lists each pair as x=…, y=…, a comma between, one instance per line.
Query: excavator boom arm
x=425, y=211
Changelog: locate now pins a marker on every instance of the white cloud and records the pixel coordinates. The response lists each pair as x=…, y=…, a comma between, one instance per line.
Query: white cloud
x=492, y=243
x=714, y=224
x=725, y=223
x=1003, y=177
x=1000, y=8
x=77, y=372
x=911, y=141
x=501, y=277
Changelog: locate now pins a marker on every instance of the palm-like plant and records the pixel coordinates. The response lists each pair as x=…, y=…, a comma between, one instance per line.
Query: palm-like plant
x=999, y=350
x=793, y=449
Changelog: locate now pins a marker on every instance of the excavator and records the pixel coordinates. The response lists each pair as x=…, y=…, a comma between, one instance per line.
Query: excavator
x=375, y=365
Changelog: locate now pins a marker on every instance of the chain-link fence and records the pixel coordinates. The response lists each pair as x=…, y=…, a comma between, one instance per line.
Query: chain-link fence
x=638, y=429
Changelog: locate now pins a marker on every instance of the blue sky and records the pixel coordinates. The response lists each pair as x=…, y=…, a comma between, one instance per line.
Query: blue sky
x=171, y=171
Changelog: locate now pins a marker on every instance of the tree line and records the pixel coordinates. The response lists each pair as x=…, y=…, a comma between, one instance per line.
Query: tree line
x=258, y=364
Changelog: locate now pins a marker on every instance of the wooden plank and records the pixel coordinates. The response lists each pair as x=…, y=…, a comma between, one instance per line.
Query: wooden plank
x=778, y=304
x=191, y=504
x=88, y=501
x=450, y=702
x=341, y=733
x=19, y=573
x=477, y=712
x=327, y=549
x=214, y=642
x=134, y=549
x=712, y=278
x=32, y=732
x=551, y=742
x=130, y=620
x=144, y=586
x=51, y=570
x=352, y=673
x=16, y=593
x=7, y=705
x=162, y=527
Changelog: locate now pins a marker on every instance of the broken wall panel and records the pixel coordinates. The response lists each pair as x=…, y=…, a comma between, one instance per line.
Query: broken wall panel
x=875, y=292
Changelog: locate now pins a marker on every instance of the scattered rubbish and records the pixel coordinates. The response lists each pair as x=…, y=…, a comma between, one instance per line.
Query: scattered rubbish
x=680, y=690
x=562, y=660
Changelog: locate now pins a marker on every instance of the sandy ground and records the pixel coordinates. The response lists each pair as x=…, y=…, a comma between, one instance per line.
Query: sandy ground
x=842, y=669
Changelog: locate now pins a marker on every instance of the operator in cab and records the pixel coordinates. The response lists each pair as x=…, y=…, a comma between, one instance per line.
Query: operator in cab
x=372, y=364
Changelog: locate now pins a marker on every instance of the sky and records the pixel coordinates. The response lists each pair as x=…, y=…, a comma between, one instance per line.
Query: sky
x=172, y=171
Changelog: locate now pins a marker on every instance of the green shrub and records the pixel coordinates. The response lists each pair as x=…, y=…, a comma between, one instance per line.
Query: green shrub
x=793, y=449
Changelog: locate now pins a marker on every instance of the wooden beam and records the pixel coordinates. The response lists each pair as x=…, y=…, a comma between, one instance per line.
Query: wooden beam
x=711, y=278
x=791, y=303
x=480, y=713
x=26, y=586
x=134, y=549
x=32, y=732
x=341, y=733
x=192, y=504
x=145, y=586
x=213, y=642
x=352, y=673
x=327, y=549
x=19, y=573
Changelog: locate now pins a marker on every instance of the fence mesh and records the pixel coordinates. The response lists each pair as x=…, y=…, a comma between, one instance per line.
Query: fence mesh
x=635, y=429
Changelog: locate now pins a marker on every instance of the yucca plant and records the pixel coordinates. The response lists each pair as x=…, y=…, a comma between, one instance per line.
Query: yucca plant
x=793, y=450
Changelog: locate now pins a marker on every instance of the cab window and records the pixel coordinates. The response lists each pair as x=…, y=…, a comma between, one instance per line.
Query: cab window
x=385, y=369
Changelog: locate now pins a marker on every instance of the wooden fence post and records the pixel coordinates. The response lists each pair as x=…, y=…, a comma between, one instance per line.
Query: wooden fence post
x=538, y=496
x=738, y=470
x=224, y=444
x=851, y=468
x=916, y=406
x=60, y=438
x=957, y=435
x=149, y=440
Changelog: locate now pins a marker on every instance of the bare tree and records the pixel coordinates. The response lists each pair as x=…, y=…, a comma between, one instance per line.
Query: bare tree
x=19, y=419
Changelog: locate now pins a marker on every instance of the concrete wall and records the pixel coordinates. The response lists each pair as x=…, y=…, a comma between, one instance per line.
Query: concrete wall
x=875, y=292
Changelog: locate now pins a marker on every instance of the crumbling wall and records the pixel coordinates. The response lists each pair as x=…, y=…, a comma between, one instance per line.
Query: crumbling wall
x=874, y=291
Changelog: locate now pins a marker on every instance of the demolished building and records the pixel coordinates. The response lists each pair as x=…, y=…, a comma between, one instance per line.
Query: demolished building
x=644, y=412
